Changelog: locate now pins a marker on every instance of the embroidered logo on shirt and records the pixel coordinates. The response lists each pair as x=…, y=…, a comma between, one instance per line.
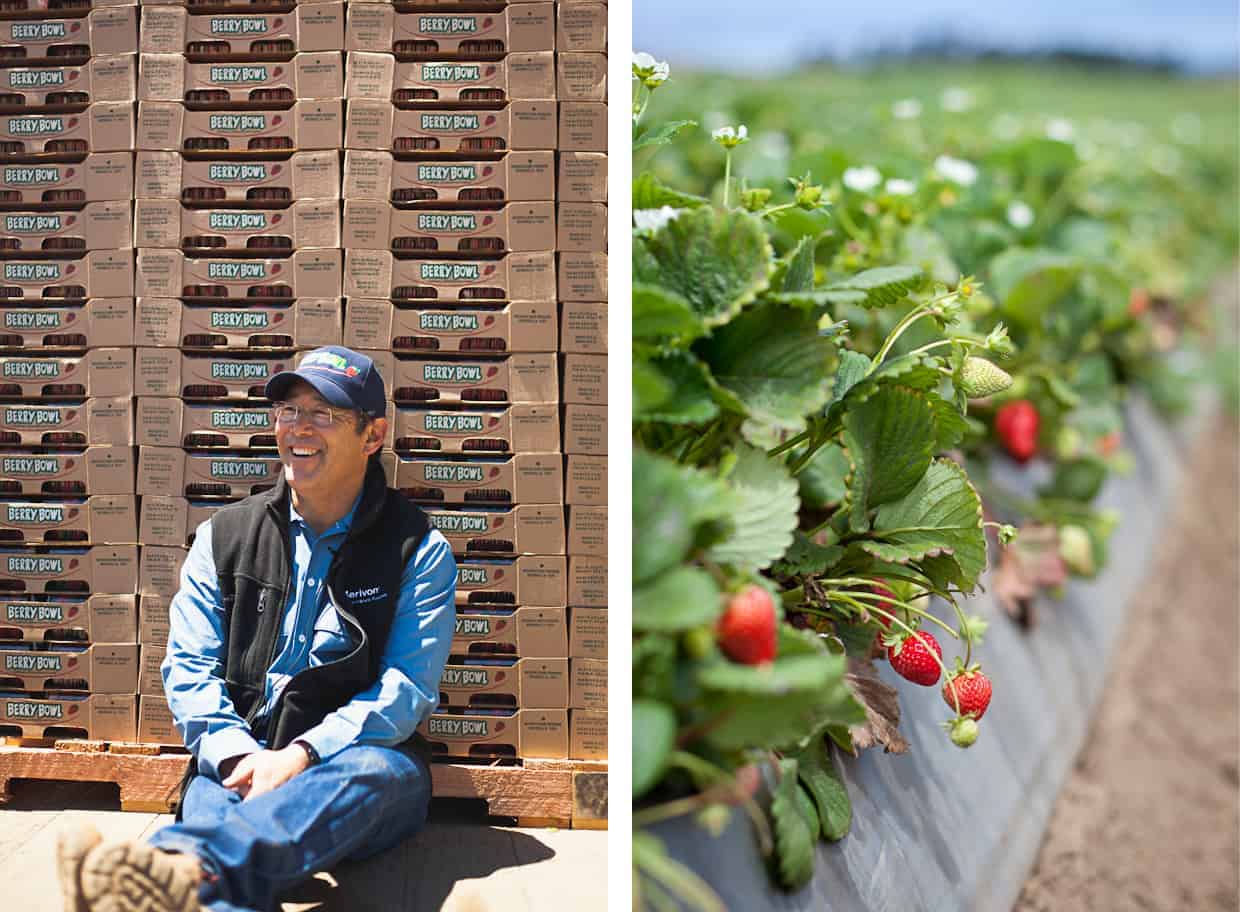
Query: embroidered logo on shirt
x=365, y=596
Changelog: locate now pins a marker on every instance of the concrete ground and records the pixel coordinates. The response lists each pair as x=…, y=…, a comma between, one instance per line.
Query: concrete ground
x=458, y=863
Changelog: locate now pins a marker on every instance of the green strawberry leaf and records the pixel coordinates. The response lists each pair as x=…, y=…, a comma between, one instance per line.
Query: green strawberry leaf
x=851, y=371
x=884, y=286
x=941, y=517
x=681, y=599
x=659, y=313
x=819, y=299
x=775, y=363
x=1028, y=283
x=804, y=673
x=660, y=135
x=795, y=272
x=890, y=439
x=818, y=774
x=650, y=389
x=824, y=480
x=648, y=193
x=654, y=737
x=795, y=838
x=717, y=261
x=807, y=558
x=1077, y=479
x=693, y=396
x=763, y=509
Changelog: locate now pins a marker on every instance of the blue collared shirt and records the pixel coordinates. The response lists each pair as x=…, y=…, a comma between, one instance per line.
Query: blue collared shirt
x=312, y=634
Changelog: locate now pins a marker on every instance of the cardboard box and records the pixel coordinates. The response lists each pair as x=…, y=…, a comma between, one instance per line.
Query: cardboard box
x=103, y=717
x=105, y=126
x=583, y=276
x=587, y=531
x=525, y=478
x=160, y=570
x=99, y=668
x=170, y=77
x=581, y=27
x=587, y=633
x=522, y=326
x=525, y=733
x=583, y=126
x=516, y=277
x=511, y=581
x=471, y=35
x=516, y=177
x=520, y=125
x=99, y=421
x=253, y=232
x=587, y=733
x=73, y=323
x=100, y=33
x=150, y=681
x=94, y=618
x=103, y=372
x=585, y=430
x=581, y=227
x=112, y=569
x=585, y=481
x=581, y=77
x=203, y=376
x=256, y=184
x=303, y=323
x=308, y=124
x=583, y=328
x=376, y=225
x=216, y=37
x=52, y=185
x=497, y=630
x=530, y=427
x=589, y=684
x=587, y=582
x=523, y=529
x=72, y=473
x=527, y=377
x=68, y=87
x=167, y=421
x=585, y=379
x=381, y=77
x=309, y=273
x=172, y=472
x=582, y=177
x=504, y=682
x=98, y=274
x=99, y=226
x=104, y=519
x=155, y=722
x=171, y=521
x=154, y=623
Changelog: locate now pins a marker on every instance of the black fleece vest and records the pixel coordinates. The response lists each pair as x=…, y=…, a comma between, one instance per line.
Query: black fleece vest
x=254, y=564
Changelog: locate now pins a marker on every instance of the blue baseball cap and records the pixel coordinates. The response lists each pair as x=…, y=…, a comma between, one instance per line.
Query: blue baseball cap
x=345, y=378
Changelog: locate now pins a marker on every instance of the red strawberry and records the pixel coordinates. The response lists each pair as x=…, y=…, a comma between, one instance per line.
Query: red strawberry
x=973, y=689
x=1017, y=425
x=747, y=629
x=912, y=660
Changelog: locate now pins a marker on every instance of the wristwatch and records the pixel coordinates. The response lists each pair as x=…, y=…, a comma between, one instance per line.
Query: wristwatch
x=311, y=753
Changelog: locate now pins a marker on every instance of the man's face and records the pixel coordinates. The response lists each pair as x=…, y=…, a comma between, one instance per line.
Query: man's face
x=321, y=460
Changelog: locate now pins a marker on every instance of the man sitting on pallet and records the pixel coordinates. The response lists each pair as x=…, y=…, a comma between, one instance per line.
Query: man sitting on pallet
x=307, y=642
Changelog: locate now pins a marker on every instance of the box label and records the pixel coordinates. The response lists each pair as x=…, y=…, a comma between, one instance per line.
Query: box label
x=239, y=25
x=35, y=126
x=451, y=72
x=35, y=79
x=473, y=626
x=448, y=25
x=31, y=224
x=237, y=123
x=227, y=469
x=452, y=424
x=38, y=31
x=23, y=176
x=445, y=221
x=32, y=272
x=452, y=473
x=230, y=420
x=451, y=373
x=31, y=515
x=449, y=123
x=459, y=728
x=447, y=174
x=236, y=174
x=32, y=319
x=30, y=465
x=31, y=417
x=36, y=565
x=21, y=710
x=238, y=370
x=458, y=522
x=237, y=75
x=34, y=614
x=449, y=272
x=466, y=677
x=237, y=221
x=25, y=664
x=472, y=576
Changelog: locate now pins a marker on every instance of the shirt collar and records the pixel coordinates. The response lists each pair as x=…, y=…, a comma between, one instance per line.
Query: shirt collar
x=339, y=527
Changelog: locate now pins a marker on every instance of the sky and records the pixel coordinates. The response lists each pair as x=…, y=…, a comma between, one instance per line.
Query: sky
x=1202, y=35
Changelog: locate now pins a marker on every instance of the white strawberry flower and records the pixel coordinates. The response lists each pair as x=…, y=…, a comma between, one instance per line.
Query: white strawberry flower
x=1019, y=215
x=730, y=137
x=956, y=99
x=652, y=220
x=863, y=179
x=956, y=170
x=906, y=109
x=650, y=72
x=899, y=187
x=1060, y=130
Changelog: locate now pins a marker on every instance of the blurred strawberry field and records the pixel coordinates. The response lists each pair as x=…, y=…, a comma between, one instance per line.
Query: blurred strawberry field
x=861, y=301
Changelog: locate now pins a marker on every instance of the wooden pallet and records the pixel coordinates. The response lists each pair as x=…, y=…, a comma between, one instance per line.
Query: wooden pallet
x=560, y=793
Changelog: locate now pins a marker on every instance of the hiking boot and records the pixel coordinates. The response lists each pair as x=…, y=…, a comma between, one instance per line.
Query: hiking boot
x=137, y=877
x=72, y=847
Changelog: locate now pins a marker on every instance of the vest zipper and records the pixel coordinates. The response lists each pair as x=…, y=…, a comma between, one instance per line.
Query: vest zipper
x=275, y=642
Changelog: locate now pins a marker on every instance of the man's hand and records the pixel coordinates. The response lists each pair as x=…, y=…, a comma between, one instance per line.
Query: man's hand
x=257, y=774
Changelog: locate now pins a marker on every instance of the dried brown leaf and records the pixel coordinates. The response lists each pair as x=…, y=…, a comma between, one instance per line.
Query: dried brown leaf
x=882, y=709
x=1030, y=563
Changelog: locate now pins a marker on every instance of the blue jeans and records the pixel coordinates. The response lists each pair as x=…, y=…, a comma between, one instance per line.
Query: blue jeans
x=356, y=804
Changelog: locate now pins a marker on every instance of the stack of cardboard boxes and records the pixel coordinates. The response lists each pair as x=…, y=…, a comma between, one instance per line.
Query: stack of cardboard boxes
x=68, y=517
x=237, y=225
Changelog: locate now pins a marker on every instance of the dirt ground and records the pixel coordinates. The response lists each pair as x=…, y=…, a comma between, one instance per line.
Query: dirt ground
x=1150, y=817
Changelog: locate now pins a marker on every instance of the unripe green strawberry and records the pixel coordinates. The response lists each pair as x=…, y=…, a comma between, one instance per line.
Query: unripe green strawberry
x=963, y=732
x=912, y=658
x=979, y=378
x=1077, y=550
x=972, y=689
x=747, y=631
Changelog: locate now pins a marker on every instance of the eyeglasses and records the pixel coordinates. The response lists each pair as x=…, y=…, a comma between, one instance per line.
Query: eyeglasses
x=319, y=415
